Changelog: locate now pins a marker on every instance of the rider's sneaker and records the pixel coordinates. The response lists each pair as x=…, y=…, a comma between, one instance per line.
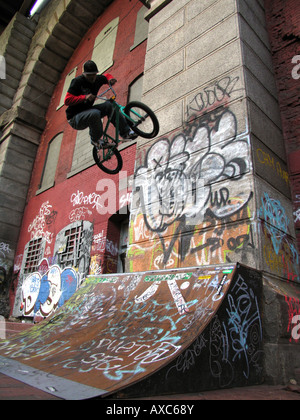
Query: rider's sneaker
x=101, y=144
x=130, y=135
x=95, y=143
x=105, y=145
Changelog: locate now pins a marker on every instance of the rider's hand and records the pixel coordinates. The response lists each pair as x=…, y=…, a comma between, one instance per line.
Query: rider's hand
x=90, y=97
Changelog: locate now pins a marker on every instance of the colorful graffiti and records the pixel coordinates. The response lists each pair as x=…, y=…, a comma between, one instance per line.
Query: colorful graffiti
x=47, y=289
x=5, y=252
x=104, y=255
x=230, y=349
x=287, y=296
x=119, y=329
x=191, y=201
x=279, y=252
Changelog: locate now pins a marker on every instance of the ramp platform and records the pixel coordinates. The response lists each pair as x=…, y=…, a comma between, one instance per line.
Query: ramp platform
x=119, y=330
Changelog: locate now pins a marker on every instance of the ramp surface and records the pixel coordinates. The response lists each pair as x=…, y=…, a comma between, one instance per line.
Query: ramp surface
x=116, y=330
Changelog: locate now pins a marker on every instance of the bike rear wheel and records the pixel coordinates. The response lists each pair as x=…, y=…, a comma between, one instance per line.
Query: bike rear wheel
x=109, y=160
x=142, y=120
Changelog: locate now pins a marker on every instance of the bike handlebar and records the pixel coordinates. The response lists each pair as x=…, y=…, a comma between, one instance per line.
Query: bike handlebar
x=103, y=93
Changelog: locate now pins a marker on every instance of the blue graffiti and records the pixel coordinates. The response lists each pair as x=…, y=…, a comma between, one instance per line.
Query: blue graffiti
x=275, y=215
x=243, y=313
x=44, y=293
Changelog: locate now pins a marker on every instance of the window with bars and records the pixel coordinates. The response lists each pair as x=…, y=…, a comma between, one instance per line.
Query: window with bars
x=35, y=251
x=71, y=251
x=73, y=246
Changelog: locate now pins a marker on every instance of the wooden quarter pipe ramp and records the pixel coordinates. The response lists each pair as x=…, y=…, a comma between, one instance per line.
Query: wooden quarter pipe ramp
x=118, y=330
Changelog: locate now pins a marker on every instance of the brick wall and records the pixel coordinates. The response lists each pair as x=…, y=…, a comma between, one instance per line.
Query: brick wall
x=283, y=22
x=85, y=194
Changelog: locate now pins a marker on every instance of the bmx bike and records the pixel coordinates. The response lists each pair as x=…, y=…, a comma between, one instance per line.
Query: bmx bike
x=140, y=118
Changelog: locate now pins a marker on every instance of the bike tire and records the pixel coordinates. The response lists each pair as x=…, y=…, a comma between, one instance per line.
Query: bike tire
x=111, y=166
x=147, y=114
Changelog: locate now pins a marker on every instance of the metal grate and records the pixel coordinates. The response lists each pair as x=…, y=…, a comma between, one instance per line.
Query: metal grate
x=71, y=253
x=34, y=254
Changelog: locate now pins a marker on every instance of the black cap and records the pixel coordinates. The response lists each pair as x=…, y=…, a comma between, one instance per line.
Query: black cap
x=90, y=67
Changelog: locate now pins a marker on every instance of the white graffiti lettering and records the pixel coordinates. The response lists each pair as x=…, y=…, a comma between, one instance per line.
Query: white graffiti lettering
x=37, y=226
x=4, y=249
x=79, y=198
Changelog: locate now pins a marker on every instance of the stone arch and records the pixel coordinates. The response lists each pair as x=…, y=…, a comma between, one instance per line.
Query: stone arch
x=59, y=30
x=61, y=26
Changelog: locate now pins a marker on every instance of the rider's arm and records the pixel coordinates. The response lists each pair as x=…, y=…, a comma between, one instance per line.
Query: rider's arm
x=110, y=79
x=74, y=94
x=73, y=99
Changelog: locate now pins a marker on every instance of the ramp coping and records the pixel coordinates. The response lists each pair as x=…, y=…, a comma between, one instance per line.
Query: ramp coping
x=55, y=385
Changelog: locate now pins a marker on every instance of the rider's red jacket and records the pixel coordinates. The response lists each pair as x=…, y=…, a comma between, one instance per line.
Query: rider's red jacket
x=79, y=88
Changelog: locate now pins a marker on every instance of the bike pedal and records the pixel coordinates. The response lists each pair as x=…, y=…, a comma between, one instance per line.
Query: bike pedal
x=106, y=146
x=96, y=144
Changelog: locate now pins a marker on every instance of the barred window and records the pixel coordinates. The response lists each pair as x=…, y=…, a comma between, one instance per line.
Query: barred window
x=71, y=251
x=73, y=246
x=35, y=251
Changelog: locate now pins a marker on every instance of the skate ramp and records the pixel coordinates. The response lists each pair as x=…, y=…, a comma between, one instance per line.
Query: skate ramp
x=116, y=331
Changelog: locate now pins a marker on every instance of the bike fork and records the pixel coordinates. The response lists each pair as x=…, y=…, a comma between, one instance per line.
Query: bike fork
x=106, y=136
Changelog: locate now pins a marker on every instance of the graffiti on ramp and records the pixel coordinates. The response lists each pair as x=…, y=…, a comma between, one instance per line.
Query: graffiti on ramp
x=119, y=329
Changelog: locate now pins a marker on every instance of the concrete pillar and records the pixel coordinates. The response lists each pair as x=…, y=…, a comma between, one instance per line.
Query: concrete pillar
x=209, y=78
x=14, y=45
x=213, y=187
x=16, y=156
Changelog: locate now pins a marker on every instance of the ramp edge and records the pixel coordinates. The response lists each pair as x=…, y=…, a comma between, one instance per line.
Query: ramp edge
x=54, y=385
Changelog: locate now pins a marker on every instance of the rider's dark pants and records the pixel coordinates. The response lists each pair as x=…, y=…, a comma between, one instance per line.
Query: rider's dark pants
x=92, y=119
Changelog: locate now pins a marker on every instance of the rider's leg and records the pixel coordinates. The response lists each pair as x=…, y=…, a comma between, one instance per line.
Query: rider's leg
x=92, y=119
x=106, y=110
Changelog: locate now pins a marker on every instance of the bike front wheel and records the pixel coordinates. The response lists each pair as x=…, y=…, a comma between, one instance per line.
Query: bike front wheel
x=109, y=160
x=142, y=120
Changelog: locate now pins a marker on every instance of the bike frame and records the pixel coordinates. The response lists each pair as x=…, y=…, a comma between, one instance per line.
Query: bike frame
x=135, y=113
x=117, y=109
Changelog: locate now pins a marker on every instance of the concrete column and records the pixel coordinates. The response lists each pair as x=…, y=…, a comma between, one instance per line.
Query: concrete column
x=213, y=188
x=16, y=156
x=14, y=44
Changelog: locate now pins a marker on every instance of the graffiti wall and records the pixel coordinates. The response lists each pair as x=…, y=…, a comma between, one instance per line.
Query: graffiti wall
x=280, y=254
x=47, y=289
x=63, y=240
x=67, y=214
x=229, y=352
x=195, y=199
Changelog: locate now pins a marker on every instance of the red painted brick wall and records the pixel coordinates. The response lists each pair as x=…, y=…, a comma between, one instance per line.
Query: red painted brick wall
x=128, y=65
x=80, y=190
x=283, y=22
